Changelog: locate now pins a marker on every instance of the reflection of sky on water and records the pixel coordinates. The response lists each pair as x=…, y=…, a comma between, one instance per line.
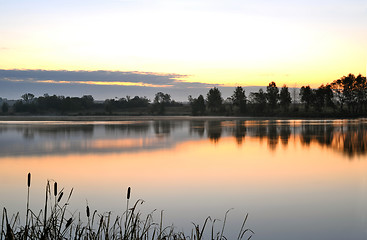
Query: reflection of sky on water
x=52, y=138
x=292, y=177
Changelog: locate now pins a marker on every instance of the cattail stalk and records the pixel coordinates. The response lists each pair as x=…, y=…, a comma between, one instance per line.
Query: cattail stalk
x=55, y=194
x=45, y=213
x=127, y=210
x=88, y=215
x=55, y=210
x=26, y=219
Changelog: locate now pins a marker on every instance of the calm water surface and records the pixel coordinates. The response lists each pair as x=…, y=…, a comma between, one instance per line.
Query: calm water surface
x=296, y=179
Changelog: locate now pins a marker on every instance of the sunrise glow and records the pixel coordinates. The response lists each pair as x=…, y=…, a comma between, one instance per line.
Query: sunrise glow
x=229, y=44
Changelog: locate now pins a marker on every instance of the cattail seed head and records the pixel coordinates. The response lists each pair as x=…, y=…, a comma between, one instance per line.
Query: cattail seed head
x=68, y=223
x=60, y=196
x=55, y=189
x=88, y=213
x=29, y=180
x=128, y=192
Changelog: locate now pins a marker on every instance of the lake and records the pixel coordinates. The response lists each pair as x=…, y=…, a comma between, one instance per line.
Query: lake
x=297, y=179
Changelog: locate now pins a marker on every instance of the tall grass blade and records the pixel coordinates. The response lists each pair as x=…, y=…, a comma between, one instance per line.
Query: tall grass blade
x=224, y=223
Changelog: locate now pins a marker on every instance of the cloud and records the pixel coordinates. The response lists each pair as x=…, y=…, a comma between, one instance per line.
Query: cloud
x=91, y=77
x=101, y=84
x=114, y=78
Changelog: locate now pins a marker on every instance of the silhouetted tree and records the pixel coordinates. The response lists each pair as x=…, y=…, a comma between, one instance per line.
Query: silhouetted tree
x=161, y=100
x=87, y=101
x=50, y=103
x=26, y=105
x=323, y=97
x=306, y=96
x=352, y=91
x=197, y=105
x=328, y=95
x=5, y=107
x=272, y=95
x=109, y=105
x=361, y=92
x=138, y=102
x=258, y=99
x=344, y=89
x=214, y=100
x=28, y=97
x=285, y=98
x=239, y=100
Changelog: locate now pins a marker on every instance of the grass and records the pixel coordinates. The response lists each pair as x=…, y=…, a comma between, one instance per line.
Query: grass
x=56, y=222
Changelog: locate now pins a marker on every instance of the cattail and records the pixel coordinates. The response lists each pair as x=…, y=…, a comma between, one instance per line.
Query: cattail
x=60, y=196
x=55, y=189
x=68, y=223
x=88, y=213
x=29, y=180
x=26, y=219
x=128, y=192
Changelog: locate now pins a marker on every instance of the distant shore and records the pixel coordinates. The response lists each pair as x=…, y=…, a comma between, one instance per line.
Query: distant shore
x=124, y=118
x=144, y=118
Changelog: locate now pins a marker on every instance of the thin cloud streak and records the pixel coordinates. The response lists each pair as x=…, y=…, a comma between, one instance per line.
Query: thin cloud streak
x=101, y=84
x=114, y=78
x=98, y=83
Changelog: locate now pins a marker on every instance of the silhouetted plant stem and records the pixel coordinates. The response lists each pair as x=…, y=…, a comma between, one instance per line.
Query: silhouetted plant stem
x=2, y=224
x=26, y=219
x=127, y=210
x=224, y=223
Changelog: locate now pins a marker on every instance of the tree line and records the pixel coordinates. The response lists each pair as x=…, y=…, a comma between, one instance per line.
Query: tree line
x=345, y=96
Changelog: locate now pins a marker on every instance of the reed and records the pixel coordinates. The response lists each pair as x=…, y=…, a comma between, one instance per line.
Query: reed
x=26, y=218
x=56, y=222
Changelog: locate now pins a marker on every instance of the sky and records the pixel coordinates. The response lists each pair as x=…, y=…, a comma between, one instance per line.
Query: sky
x=176, y=46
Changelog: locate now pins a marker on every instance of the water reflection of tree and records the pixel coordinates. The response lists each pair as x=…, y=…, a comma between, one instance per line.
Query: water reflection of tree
x=306, y=133
x=239, y=131
x=327, y=135
x=3, y=129
x=214, y=130
x=273, y=136
x=350, y=139
x=56, y=131
x=28, y=134
x=137, y=129
x=355, y=140
x=321, y=133
x=197, y=127
x=261, y=130
x=163, y=128
x=285, y=133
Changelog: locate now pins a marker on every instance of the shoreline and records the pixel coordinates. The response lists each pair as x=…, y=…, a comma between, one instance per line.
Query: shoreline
x=152, y=118
x=127, y=118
